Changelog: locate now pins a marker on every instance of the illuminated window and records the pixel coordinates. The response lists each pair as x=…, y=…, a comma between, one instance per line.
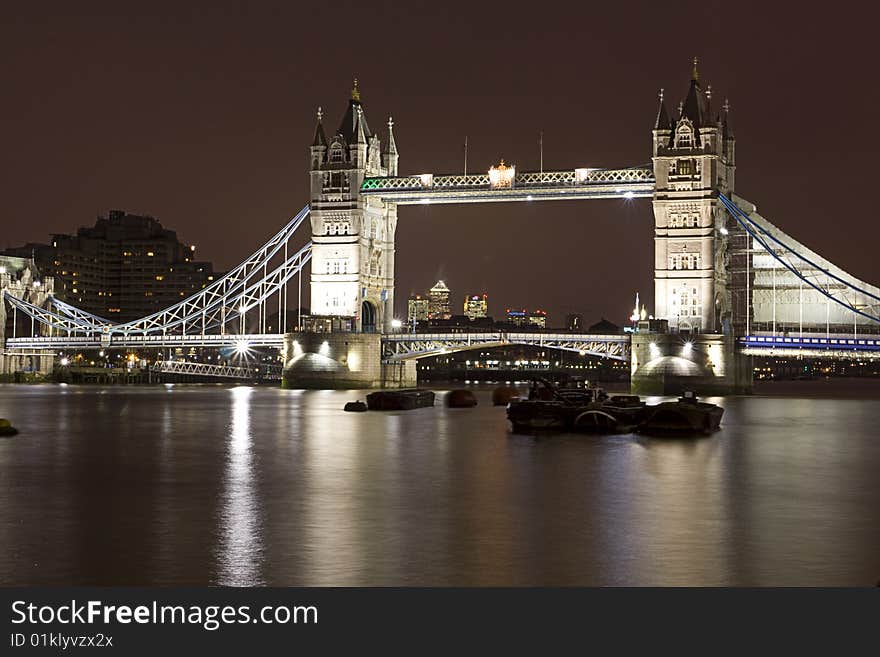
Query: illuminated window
x=150, y=254
x=160, y=278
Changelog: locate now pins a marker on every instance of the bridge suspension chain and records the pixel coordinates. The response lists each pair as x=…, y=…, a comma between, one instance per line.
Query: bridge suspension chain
x=229, y=297
x=761, y=236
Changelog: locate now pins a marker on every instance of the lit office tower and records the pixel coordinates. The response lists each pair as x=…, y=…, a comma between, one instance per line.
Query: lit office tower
x=417, y=309
x=538, y=318
x=438, y=302
x=476, y=305
x=523, y=317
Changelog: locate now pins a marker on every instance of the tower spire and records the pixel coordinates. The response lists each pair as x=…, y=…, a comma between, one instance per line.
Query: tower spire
x=391, y=146
x=320, y=139
x=696, y=74
x=662, y=122
x=355, y=92
x=360, y=133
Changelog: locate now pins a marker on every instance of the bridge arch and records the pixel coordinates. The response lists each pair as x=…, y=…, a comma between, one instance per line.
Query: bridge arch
x=368, y=316
x=401, y=346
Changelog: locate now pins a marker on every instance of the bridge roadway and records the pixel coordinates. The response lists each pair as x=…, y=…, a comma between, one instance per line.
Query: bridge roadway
x=574, y=184
x=407, y=346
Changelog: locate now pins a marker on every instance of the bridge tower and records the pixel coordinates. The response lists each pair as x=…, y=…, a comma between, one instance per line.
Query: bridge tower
x=352, y=236
x=694, y=160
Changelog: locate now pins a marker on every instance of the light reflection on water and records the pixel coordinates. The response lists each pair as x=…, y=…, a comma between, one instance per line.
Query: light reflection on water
x=239, y=553
x=236, y=486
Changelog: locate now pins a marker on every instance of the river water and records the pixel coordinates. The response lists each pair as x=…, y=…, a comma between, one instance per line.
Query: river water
x=199, y=485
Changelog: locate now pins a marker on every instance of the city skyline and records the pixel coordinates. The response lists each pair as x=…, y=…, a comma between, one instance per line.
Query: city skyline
x=194, y=139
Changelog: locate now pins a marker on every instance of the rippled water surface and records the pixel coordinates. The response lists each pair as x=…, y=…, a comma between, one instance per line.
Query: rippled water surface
x=239, y=486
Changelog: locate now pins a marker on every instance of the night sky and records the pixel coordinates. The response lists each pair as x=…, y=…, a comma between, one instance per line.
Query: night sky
x=201, y=116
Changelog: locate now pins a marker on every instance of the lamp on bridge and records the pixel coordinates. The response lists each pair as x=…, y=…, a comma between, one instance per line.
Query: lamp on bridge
x=501, y=176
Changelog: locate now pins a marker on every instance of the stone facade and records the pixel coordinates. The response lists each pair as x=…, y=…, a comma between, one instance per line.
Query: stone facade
x=694, y=159
x=352, y=236
x=342, y=360
x=668, y=364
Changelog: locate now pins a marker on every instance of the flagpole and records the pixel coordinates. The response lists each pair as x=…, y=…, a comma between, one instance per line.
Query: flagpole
x=541, y=144
x=465, y=155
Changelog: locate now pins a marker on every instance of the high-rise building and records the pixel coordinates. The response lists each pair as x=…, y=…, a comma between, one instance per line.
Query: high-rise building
x=523, y=317
x=538, y=318
x=417, y=309
x=438, y=302
x=124, y=267
x=476, y=305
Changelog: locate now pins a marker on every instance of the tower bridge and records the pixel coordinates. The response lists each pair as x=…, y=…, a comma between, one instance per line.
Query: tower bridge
x=727, y=281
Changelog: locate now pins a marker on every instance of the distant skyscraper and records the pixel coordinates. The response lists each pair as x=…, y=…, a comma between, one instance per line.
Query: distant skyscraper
x=538, y=318
x=574, y=322
x=438, y=302
x=417, y=309
x=476, y=305
x=522, y=317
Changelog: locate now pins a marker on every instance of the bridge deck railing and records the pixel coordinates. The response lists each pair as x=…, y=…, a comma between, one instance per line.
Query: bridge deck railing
x=568, y=178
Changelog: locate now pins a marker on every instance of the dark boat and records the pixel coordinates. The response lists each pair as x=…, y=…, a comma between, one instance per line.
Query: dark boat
x=532, y=414
x=355, y=406
x=461, y=398
x=399, y=400
x=572, y=409
x=6, y=428
x=687, y=415
x=617, y=414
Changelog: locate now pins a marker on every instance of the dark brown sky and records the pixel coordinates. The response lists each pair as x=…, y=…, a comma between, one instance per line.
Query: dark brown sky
x=201, y=116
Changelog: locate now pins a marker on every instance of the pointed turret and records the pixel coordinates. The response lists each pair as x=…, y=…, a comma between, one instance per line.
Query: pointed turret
x=726, y=132
x=390, y=154
x=694, y=108
x=662, y=122
x=320, y=139
x=354, y=114
x=360, y=133
x=318, y=149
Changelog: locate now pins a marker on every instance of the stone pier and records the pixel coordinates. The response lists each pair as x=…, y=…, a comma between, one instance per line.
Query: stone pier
x=707, y=363
x=341, y=360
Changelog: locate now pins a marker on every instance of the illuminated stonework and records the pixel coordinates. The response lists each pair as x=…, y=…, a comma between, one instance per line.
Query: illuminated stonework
x=352, y=235
x=693, y=161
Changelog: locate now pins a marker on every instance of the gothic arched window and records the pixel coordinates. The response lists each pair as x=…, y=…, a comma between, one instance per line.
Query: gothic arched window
x=684, y=135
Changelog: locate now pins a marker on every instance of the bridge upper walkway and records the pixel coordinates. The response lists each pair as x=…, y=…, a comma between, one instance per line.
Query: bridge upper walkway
x=572, y=184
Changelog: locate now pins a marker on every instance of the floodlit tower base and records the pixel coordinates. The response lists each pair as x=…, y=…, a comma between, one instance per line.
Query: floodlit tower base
x=341, y=360
x=707, y=363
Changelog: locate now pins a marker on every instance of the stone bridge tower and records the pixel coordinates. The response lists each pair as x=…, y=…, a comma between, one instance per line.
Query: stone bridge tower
x=352, y=236
x=694, y=160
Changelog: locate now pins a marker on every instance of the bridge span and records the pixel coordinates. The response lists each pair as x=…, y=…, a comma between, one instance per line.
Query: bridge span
x=728, y=282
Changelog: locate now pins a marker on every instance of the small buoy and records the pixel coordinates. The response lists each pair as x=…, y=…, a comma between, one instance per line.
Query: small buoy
x=6, y=428
x=355, y=407
x=461, y=399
